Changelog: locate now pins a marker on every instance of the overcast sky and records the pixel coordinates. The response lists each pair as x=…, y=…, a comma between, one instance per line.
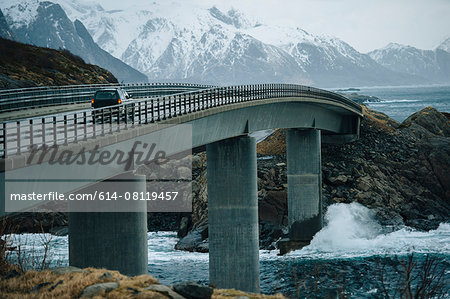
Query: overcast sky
x=364, y=24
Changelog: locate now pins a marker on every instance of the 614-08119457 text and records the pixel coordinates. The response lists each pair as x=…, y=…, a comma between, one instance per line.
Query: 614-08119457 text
x=169, y=195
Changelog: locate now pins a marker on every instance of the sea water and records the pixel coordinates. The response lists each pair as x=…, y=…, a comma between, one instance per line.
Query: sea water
x=400, y=102
x=348, y=256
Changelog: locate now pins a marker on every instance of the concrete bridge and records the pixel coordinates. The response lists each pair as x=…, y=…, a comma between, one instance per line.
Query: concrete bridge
x=220, y=118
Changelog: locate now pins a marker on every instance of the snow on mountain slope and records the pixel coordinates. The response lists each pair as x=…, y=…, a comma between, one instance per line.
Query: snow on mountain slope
x=176, y=40
x=179, y=40
x=24, y=12
x=430, y=64
x=445, y=46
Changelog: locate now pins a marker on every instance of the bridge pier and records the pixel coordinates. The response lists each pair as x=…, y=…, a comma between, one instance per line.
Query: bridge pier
x=304, y=187
x=112, y=240
x=233, y=214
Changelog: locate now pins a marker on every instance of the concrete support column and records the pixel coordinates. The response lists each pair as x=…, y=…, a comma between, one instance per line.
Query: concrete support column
x=304, y=184
x=233, y=214
x=112, y=240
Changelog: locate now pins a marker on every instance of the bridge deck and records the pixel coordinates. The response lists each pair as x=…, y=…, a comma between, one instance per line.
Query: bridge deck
x=76, y=126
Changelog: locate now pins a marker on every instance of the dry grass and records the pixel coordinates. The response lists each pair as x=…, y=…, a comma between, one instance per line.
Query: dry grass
x=380, y=120
x=275, y=144
x=71, y=285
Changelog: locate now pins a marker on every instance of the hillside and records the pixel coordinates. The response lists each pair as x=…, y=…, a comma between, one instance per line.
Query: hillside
x=23, y=65
x=45, y=24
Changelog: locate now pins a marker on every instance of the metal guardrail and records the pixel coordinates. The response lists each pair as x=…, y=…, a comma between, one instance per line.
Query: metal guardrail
x=18, y=136
x=14, y=99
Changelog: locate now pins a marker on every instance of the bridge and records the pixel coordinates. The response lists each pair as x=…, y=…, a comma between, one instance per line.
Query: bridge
x=177, y=117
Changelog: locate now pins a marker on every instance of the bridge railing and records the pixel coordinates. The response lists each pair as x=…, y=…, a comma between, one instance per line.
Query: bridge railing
x=13, y=99
x=19, y=136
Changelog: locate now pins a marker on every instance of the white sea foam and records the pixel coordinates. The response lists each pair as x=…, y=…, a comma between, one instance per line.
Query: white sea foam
x=351, y=231
x=397, y=101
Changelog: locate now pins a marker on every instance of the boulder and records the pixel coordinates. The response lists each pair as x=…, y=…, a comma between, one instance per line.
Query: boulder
x=430, y=119
x=96, y=289
x=160, y=288
x=194, y=240
x=193, y=290
x=338, y=180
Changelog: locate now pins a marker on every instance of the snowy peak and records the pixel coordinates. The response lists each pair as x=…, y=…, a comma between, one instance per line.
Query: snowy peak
x=445, y=46
x=24, y=11
x=232, y=17
x=428, y=64
x=396, y=46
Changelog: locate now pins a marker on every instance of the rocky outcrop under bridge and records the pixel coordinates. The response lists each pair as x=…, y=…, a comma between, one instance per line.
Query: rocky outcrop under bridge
x=400, y=170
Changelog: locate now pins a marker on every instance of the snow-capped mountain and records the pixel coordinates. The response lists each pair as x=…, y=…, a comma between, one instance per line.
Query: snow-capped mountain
x=445, y=46
x=430, y=64
x=180, y=41
x=176, y=40
x=5, y=31
x=46, y=24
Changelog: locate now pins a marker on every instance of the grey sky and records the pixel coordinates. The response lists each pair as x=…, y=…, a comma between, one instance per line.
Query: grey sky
x=364, y=24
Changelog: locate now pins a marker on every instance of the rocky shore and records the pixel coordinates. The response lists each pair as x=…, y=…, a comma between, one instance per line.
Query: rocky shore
x=72, y=282
x=400, y=170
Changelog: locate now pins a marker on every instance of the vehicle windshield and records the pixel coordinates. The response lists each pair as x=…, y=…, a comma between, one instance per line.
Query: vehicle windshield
x=106, y=95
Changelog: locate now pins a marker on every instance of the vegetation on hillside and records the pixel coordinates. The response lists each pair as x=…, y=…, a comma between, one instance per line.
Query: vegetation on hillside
x=23, y=65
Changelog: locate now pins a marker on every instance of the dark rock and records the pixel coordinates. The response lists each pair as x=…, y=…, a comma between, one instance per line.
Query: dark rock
x=273, y=206
x=430, y=119
x=95, y=289
x=160, y=288
x=193, y=290
x=33, y=222
x=133, y=290
x=11, y=274
x=269, y=234
x=194, y=240
x=60, y=231
x=184, y=227
x=106, y=275
x=56, y=285
x=339, y=180
x=36, y=288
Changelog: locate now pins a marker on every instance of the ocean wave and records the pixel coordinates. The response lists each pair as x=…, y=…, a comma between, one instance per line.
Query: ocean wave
x=398, y=101
x=352, y=231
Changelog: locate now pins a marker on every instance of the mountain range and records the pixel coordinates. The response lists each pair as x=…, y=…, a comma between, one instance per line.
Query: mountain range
x=180, y=41
x=433, y=65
